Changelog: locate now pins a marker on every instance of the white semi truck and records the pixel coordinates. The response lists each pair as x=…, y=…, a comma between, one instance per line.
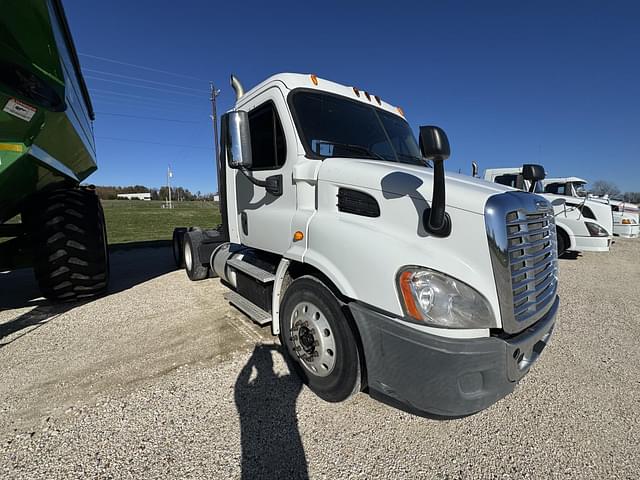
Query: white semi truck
x=580, y=228
x=626, y=221
x=336, y=229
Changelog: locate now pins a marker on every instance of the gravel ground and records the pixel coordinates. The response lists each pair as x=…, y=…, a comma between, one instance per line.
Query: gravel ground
x=163, y=379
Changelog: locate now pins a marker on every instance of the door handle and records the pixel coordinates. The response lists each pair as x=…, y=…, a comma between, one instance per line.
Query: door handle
x=244, y=222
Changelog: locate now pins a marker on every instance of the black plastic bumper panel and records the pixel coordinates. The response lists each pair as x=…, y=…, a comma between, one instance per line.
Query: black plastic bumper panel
x=445, y=376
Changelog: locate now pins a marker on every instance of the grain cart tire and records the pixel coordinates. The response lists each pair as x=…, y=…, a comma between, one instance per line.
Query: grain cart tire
x=193, y=264
x=69, y=238
x=177, y=245
x=318, y=338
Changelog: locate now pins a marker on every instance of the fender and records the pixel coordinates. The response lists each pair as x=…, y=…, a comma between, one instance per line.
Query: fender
x=281, y=274
x=572, y=238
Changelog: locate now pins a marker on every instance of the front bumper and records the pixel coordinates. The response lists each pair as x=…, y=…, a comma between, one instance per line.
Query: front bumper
x=592, y=244
x=626, y=230
x=445, y=376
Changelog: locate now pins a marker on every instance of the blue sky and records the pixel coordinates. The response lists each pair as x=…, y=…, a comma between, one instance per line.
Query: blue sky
x=511, y=82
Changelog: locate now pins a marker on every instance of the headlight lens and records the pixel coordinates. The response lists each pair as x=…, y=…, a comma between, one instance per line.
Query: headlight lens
x=442, y=301
x=596, y=230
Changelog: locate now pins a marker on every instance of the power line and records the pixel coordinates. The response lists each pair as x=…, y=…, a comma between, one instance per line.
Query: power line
x=141, y=79
x=147, y=118
x=120, y=82
x=141, y=97
x=98, y=98
x=140, y=66
x=156, y=103
x=153, y=143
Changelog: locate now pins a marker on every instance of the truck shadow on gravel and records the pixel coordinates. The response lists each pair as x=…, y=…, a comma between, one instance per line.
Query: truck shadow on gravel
x=570, y=256
x=130, y=266
x=266, y=403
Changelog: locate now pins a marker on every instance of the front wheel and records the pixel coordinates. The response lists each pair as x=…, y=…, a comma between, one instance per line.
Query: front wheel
x=317, y=337
x=562, y=243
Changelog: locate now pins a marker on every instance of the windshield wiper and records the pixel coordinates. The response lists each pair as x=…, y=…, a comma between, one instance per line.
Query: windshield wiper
x=360, y=149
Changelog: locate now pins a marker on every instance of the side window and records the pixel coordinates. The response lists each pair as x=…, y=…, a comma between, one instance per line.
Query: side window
x=557, y=188
x=509, y=180
x=268, y=145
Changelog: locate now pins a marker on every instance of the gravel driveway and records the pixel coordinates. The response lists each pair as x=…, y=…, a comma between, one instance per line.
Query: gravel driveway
x=162, y=378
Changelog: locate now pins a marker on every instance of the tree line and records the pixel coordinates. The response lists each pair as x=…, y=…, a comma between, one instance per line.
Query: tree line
x=599, y=188
x=108, y=192
x=603, y=187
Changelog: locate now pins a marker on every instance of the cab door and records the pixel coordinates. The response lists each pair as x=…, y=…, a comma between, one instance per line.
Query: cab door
x=264, y=219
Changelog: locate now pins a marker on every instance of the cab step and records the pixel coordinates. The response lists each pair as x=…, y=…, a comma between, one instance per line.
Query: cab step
x=263, y=276
x=253, y=311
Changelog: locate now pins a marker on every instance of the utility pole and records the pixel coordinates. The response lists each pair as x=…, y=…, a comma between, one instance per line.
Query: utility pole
x=169, y=175
x=214, y=117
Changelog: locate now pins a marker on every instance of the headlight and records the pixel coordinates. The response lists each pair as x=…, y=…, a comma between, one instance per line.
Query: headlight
x=596, y=230
x=442, y=301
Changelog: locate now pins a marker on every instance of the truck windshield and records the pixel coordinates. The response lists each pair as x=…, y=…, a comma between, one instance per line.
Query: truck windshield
x=579, y=189
x=334, y=126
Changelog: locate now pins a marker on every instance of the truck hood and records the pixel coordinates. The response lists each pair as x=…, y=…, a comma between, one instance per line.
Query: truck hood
x=601, y=211
x=397, y=179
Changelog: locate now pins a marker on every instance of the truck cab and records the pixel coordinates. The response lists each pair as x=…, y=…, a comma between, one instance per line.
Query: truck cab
x=581, y=226
x=625, y=215
x=378, y=271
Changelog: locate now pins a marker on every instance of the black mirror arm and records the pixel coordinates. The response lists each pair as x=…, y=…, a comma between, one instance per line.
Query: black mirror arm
x=436, y=219
x=272, y=184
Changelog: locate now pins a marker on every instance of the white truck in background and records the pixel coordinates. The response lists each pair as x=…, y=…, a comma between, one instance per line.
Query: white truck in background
x=626, y=221
x=579, y=229
x=336, y=229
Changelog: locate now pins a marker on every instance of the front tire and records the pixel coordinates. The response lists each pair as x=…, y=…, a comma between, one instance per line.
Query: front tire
x=318, y=338
x=562, y=243
x=68, y=233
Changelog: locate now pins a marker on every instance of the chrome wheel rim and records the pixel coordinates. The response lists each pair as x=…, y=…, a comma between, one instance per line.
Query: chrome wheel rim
x=312, y=339
x=188, y=260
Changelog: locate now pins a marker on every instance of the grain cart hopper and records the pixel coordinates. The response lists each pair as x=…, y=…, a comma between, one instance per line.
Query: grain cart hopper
x=46, y=150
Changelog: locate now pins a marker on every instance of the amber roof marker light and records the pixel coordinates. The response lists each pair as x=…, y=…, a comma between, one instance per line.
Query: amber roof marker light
x=314, y=78
x=356, y=91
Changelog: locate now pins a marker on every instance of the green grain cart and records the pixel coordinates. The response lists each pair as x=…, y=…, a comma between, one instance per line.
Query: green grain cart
x=46, y=150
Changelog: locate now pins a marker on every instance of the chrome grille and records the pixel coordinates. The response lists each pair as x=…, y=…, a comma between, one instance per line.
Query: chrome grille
x=522, y=239
x=532, y=261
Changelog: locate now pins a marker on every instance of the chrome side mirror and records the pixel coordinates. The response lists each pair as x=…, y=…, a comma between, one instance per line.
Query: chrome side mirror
x=239, y=136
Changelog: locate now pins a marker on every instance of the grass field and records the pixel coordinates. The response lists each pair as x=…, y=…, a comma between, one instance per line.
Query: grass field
x=136, y=220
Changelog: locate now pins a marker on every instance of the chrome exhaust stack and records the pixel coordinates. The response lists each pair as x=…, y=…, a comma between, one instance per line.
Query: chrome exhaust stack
x=237, y=87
